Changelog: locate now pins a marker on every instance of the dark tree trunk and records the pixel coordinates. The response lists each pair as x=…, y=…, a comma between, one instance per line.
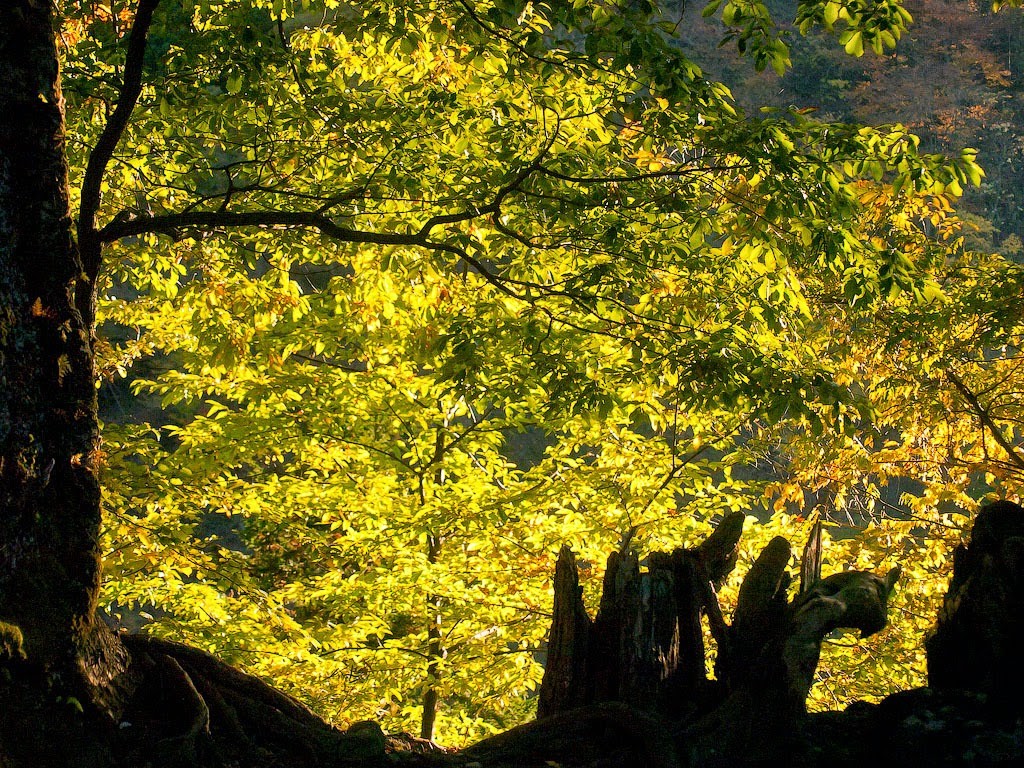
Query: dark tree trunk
x=71, y=692
x=49, y=491
x=979, y=640
x=565, y=671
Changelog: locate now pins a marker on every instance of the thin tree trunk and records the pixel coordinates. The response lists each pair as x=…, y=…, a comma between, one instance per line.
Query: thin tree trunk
x=435, y=637
x=435, y=650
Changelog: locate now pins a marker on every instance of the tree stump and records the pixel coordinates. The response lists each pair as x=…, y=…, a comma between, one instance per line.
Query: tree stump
x=980, y=632
x=645, y=647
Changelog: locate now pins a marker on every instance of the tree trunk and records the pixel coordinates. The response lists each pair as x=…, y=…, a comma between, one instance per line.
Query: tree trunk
x=977, y=643
x=435, y=647
x=49, y=489
x=71, y=692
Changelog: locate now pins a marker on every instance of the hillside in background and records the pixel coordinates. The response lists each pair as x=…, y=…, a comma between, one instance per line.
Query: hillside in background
x=956, y=79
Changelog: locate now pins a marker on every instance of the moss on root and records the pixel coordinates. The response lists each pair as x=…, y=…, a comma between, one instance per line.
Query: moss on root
x=11, y=643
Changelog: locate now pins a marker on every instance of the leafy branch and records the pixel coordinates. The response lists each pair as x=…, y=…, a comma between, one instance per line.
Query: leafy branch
x=987, y=420
x=89, y=241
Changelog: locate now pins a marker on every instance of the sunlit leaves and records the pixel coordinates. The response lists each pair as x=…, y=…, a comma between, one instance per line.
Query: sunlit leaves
x=529, y=280
x=860, y=25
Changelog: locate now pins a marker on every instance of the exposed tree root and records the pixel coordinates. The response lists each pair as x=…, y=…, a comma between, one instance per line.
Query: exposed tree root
x=190, y=709
x=597, y=736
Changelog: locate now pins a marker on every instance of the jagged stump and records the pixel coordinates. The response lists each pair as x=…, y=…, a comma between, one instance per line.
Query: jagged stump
x=645, y=647
x=978, y=642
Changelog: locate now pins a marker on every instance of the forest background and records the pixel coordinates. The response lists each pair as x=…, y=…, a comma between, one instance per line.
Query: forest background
x=347, y=465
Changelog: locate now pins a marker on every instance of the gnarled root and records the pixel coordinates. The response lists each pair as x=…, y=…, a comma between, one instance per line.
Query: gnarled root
x=597, y=736
x=190, y=709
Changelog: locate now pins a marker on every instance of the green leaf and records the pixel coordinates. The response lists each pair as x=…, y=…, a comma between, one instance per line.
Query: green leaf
x=855, y=44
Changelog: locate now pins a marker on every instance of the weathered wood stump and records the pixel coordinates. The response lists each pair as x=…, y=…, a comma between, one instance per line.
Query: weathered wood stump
x=978, y=643
x=645, y=647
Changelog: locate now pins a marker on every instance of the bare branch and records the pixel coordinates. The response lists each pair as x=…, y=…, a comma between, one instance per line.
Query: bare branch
x=671, y=173
x=131, y=89
x=986, y=419
x=173, y=223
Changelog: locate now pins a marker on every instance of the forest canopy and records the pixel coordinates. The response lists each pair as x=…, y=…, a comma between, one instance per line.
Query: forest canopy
x=397, y=298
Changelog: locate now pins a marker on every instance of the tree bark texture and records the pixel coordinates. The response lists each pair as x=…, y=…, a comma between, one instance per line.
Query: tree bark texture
x=49, y=491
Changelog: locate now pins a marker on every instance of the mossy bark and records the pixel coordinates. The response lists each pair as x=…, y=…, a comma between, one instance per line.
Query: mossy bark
x=62, y=688
x=49, y=491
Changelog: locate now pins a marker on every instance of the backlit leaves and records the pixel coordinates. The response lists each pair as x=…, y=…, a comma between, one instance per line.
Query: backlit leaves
x=410, y=294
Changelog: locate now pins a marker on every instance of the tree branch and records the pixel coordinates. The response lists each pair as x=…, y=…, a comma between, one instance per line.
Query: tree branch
x=131, y=89
x=626, y=179
x=986, y=419
x=172, y=223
